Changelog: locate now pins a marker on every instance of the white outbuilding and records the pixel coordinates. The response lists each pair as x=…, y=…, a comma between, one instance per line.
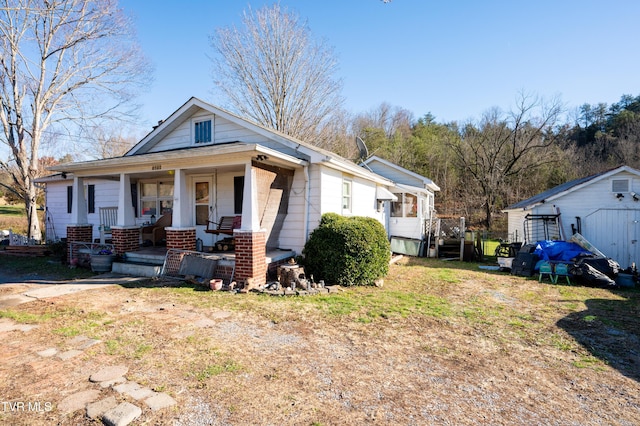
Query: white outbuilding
x=604, y=208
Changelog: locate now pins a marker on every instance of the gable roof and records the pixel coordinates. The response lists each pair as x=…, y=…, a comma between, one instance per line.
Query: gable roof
x=428, y=183
x=192, y=106
x=297, y=151
x=567, y=187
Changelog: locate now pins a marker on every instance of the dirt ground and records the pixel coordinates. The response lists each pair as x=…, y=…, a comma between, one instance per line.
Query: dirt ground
x=505, y=351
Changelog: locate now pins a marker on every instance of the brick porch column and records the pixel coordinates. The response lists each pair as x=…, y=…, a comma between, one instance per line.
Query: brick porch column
x=251, y=253
x=125, y=238
x=181, y=238
x=77, y=233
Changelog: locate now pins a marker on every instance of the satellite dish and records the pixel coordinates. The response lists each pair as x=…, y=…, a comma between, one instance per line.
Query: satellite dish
x=362, y=148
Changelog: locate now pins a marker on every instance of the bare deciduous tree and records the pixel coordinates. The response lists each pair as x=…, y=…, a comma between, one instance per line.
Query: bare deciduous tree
x=61, y=61
x=392, y=120
x=108, y=142
x=503, y=146
x=273, y=72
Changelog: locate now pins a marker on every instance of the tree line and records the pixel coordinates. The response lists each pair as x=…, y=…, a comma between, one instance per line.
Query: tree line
x=485, y=165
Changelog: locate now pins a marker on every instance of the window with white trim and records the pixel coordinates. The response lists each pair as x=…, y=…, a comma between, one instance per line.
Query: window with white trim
x=156, y=197
x=410, y=205
x=346, y=195
x=406, y=206
x=203, y=131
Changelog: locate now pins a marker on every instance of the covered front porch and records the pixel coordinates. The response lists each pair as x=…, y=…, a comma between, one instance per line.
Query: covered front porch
x=189, y=193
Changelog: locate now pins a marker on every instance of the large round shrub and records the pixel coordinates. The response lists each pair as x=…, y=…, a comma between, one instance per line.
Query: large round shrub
x=347, y=251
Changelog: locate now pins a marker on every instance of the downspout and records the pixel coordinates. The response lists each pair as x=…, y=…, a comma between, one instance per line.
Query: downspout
x=307, y=192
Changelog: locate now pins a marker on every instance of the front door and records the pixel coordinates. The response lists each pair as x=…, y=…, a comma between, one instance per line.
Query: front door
x=203, y=197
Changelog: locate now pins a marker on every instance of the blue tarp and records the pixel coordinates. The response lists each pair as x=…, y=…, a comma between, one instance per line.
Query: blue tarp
x=561, y=251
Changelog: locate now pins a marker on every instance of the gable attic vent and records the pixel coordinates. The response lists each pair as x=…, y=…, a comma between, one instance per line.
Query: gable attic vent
x=620, y=185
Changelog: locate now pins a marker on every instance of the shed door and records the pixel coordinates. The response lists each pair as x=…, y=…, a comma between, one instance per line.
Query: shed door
x=615, y=233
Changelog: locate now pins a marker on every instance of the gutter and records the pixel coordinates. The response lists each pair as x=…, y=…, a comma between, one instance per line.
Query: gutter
x=357, y=170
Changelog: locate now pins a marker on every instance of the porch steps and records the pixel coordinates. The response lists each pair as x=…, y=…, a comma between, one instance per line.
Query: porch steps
x=140, y=264
x=149, y=264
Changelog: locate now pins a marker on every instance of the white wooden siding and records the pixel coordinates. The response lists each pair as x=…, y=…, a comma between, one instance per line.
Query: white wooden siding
x=363, y=194
x=56, y=198
x=515, y=225
x=223, y=131
x=106, y=195
x=363, y=198
x=292, y=234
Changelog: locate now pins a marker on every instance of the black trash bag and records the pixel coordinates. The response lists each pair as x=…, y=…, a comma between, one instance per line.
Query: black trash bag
x=586, y=274
x=609, y=267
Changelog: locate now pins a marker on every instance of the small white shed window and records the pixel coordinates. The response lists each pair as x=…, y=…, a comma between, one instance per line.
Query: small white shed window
x=202, y=131
x=346, y=195
x=620, y=185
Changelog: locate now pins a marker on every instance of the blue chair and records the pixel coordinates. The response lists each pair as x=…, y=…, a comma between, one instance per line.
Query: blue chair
x=545, y=269
x=561, y=270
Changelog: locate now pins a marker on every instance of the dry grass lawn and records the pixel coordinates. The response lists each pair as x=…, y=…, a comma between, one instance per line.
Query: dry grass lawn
x=440, y=343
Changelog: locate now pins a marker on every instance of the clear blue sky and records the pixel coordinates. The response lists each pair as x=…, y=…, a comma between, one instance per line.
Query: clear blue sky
x=455, y=59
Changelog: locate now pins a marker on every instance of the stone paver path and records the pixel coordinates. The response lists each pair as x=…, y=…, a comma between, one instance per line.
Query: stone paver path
x=122, y=414
x=110, y=397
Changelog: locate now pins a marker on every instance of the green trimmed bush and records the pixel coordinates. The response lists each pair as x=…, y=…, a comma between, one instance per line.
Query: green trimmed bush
x=347, y=251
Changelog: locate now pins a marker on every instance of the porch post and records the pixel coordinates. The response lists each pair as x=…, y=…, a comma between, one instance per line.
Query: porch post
x=79, y=230
x=181, y=206
x=78, y=203
x=251, y=241
x=250, y=219
x=126, y=235
x=126, y=215
x=181, y=234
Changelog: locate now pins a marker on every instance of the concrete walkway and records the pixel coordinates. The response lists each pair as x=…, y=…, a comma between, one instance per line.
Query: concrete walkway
x=48, y=289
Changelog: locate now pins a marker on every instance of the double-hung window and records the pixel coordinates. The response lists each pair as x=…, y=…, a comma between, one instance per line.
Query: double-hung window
x=346, y=195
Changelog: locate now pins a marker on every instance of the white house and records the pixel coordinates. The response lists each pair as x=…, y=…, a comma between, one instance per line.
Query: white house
x=603, y=208
x=412, y=211
x=204, y=163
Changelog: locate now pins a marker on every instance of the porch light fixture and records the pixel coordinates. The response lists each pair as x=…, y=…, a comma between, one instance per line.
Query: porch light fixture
x=171, y=172
x=619, y=196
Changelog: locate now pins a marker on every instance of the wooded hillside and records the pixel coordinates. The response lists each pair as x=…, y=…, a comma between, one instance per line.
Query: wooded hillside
x=504, y=157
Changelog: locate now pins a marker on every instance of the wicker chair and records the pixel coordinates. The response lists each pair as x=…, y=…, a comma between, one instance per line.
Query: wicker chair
x=156, y=232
